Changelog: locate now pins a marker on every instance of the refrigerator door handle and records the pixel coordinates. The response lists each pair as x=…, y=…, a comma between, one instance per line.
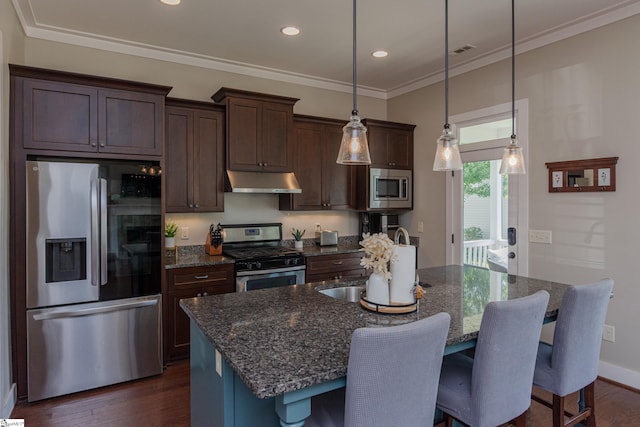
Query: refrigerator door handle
x=95, y=234
x=94, y=310
x=103, y=231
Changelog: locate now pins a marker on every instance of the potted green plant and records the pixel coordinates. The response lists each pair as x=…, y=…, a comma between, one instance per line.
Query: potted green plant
x=170, y=231
x=297, y=234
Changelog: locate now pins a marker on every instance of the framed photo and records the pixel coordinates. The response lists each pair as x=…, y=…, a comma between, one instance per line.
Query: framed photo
x=604, y=177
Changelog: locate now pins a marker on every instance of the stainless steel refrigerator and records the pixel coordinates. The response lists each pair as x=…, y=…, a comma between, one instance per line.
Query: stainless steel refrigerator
x=93, y=275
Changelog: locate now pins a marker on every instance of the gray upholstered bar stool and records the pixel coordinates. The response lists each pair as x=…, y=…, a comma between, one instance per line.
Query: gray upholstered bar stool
x=392, y=377
x=494, y=387
x=571, y=364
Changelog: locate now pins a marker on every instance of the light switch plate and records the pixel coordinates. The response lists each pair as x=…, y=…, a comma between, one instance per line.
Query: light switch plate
x=540, y=236
x=185, y=233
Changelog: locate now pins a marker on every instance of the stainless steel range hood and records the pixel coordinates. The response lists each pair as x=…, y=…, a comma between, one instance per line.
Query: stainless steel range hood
x=262, y=182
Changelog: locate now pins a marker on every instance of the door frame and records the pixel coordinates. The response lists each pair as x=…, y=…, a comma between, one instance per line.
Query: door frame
x=519, y=190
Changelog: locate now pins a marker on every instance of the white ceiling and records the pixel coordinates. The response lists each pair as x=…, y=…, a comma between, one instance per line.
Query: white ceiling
x=243, y=35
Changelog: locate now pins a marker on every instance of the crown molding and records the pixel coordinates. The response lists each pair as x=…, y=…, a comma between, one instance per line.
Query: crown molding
x=94, y=41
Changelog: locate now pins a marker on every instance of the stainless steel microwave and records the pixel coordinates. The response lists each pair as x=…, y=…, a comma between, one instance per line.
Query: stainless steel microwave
x=390, y=189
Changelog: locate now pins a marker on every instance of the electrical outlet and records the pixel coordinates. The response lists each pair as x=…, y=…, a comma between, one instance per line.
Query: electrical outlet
x=540, y=236
x=609, y=333
x=184, y=233
x=218, y=363
x=420, y=227
x=318, y=228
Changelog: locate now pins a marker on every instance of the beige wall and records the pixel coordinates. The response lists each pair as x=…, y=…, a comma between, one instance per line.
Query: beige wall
x=583, y=97
x=584, y=101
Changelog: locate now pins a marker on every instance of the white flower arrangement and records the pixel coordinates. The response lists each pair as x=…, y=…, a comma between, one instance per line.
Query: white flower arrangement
x=378, y=253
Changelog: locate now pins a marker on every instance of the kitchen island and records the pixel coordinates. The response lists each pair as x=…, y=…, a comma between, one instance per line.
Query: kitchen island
x=258, y=357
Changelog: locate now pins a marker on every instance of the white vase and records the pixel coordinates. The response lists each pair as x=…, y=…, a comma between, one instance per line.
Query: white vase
x=170, y=242
x=298, y=244
x=378, y=289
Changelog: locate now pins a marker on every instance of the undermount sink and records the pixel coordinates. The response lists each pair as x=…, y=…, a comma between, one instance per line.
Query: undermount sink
x=346, y=293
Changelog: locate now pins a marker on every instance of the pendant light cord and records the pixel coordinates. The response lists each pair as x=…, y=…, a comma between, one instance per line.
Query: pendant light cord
x=446, y=64
x=513, y=71
x=355, y=83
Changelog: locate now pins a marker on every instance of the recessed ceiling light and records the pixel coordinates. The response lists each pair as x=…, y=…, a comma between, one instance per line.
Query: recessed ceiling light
x=290, y=31
x=379, y=53
x=171, y=2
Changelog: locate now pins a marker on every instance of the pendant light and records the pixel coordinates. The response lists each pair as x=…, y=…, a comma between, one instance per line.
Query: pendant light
x=512, y=158
x=354, y=149
x=447, y=152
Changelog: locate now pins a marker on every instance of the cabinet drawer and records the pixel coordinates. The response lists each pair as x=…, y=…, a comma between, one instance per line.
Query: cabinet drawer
x=190, y=277
x=333, y=263
x=340, y=275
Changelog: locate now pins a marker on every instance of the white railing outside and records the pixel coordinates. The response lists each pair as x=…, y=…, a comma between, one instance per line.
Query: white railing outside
x=476, y=251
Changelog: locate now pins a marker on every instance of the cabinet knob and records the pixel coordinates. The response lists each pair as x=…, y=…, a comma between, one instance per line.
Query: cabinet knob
x=205, y=294
x=197, y=205
x=265, y=164
x=337, y=277
x=199, y=294
x=260, y=164
x=93, y=142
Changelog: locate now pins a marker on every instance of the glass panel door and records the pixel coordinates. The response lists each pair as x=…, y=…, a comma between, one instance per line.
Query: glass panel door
x=482, y=205
x=485, y=211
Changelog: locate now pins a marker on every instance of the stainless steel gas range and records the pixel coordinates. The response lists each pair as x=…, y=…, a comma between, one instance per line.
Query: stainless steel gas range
x=261, y=260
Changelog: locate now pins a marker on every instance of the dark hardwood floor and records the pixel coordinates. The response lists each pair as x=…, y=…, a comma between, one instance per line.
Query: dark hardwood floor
x=164, y=401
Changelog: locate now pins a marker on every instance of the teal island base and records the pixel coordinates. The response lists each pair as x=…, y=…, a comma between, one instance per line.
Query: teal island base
x=219, y=398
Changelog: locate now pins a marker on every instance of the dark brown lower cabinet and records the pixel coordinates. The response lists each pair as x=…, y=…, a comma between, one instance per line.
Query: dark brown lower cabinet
x=337, y=266
x=190, y=282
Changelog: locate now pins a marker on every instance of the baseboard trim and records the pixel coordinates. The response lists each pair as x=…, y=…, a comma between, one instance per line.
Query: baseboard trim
x=620, y=375
x=9, y=402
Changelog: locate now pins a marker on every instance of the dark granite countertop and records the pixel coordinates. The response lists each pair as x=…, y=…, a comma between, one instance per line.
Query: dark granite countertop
x=194, y=256
x=285, y=339
x=180, y=260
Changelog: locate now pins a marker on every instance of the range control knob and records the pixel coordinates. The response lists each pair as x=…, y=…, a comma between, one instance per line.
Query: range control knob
x=257, y=264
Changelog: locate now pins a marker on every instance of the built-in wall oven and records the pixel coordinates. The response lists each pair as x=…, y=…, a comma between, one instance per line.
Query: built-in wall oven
x=261, y=260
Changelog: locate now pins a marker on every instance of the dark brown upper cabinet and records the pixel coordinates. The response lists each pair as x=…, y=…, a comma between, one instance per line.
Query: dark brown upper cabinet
x=194, y=156
x=390, y=144
x=258, y=130
x=325, y=184
x=80, y=114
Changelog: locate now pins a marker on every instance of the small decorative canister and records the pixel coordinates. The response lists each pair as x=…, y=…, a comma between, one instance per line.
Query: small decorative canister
x=378, y=289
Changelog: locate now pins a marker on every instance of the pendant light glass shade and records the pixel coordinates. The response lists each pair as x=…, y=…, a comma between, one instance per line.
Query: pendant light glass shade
x=354, y=148
x=447, y=152
x=512, y=159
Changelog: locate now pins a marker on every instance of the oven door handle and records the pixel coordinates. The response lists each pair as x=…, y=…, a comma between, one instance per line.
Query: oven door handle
x=270, y=271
